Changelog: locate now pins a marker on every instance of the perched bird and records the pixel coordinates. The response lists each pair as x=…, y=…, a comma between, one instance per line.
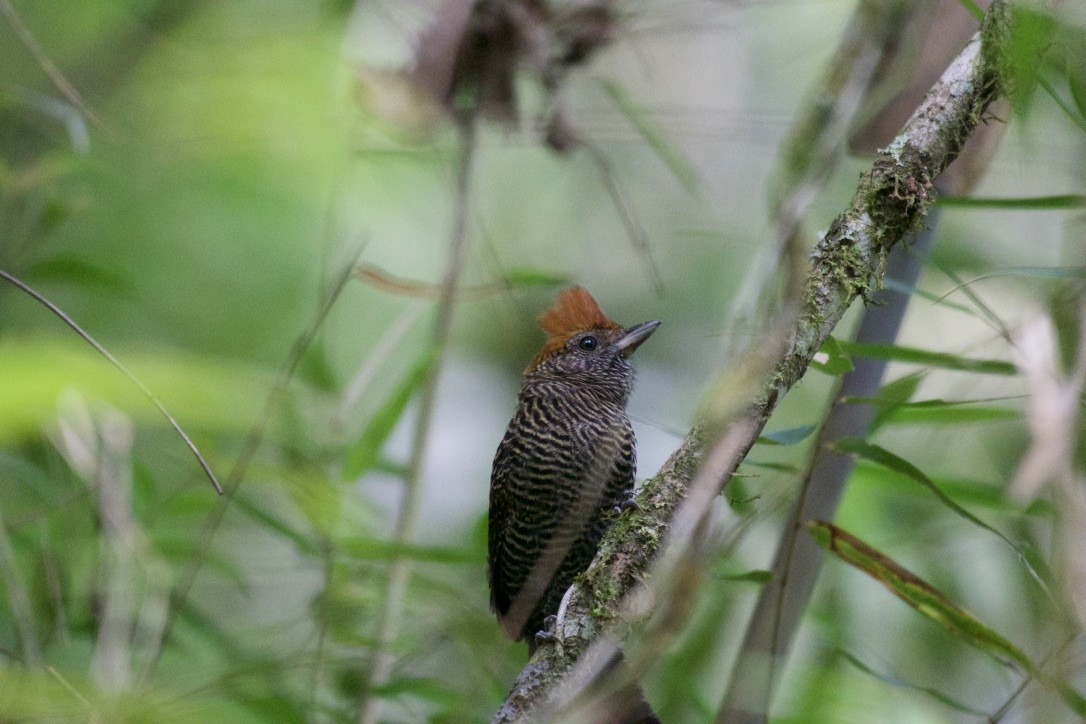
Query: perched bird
x=566, y=462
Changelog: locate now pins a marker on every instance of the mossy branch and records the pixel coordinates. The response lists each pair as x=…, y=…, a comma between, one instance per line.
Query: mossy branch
x=848, y=262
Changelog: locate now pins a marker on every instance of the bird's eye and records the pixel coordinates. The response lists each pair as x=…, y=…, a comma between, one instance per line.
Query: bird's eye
x=588, y=343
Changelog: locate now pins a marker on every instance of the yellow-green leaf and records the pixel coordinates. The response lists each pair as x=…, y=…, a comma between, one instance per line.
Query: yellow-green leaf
x=931, y=602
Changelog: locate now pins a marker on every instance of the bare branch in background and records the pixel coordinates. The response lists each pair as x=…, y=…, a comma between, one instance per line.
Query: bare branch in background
x=132, y=580
x=111, y=665
x=399, y=570
x=847, y=263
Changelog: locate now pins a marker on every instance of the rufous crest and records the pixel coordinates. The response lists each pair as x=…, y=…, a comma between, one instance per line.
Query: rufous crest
x=575, y=311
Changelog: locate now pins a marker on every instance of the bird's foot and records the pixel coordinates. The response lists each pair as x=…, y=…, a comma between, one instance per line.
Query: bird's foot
x=547, y=635
x=628, y=502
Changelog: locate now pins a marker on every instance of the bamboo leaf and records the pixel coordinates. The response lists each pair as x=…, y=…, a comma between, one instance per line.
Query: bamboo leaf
x=776, y=467
x=891, y=396
x=760, y=577
x=66, y=269
x=788, y=436
x=373, y=549
x=975, y=10
x=897, y=286
x=519, y=277
x=367, y=450
x=931, y=602
x=948, y=414
x=144, y=390
x=303, y=543
x=986, y=312
x=901, y=684
x=837, y=361
x=1033, y=272
x=889, y=460
x=676, y=161
x=941, y=360
x=916, y=592
x=1060, y=201
x=425, y=688
x=1076, y=81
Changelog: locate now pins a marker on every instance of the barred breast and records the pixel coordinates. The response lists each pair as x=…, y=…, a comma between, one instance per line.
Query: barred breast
x=566, y=461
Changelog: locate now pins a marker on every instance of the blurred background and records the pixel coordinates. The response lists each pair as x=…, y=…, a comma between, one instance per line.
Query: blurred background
x=230, y=164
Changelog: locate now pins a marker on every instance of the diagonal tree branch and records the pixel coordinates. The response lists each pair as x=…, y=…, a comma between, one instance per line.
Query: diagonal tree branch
x=848, y=262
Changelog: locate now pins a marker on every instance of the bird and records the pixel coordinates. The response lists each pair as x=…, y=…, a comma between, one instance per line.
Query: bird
x=565, y=465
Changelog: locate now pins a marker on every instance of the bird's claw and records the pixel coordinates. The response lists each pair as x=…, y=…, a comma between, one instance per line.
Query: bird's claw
x=626, y=504
x=547, y=634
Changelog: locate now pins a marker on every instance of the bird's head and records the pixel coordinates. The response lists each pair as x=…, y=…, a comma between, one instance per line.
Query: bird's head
x=585, y=347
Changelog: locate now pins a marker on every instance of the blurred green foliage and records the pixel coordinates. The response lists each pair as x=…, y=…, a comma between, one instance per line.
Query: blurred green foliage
x=238, y=171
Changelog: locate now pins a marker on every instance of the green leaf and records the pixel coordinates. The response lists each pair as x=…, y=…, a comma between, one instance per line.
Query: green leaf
x=777, y=467
x=425, y=688
x=1024, y=51
x=373, y=549
x=739, y=499
x=367, y=450
x=925, y=357
x=1076, y=81
x=1070, y=112
x=788, y=436
x=69, y=270
x=975, y=10
x=1034, y=272
x=935, y=605
x=897, y=286
x=837, y=362
x=974, y=492
x=304, y=544
x=680, y=166
x=891, y=396
x=938, y=412
x=761, y=577
x=519, y=277
x=315, y=367
x=1059, y=201
x=986, y=312
x=889, y=460
x=899, y=683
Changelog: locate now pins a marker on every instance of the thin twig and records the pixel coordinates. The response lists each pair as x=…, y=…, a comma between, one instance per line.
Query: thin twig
x=67, y=89
x=1028, y=679
x=124, y=370
x=388, y=619
x=74, y=692
x=380, y=353
x=626, y=214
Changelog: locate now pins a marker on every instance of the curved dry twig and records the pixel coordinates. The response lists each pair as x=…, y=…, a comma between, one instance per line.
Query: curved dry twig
x=38, y=297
